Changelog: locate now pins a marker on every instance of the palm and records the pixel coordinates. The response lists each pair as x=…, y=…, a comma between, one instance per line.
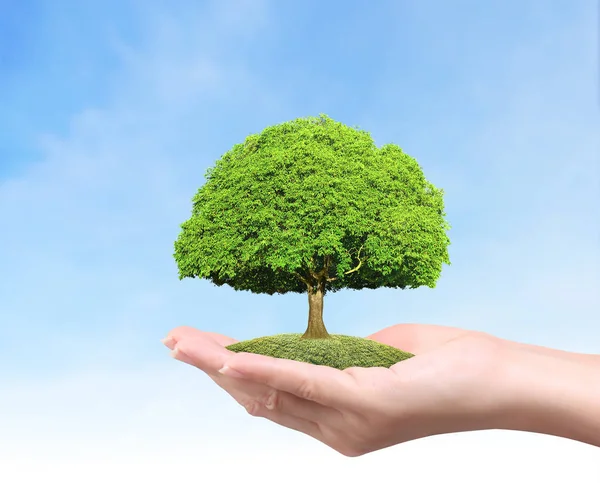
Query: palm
x=351, y=410
x=436, y=344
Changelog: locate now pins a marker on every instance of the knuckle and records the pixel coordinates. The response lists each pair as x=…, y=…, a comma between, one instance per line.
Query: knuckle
x=349, y=451
x=356, y=443
x=255, y=407
x=272, y=400
x=252, y=407
x=306, y=390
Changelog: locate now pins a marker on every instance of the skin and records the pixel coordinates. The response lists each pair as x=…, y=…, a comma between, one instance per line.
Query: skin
x=459, y=380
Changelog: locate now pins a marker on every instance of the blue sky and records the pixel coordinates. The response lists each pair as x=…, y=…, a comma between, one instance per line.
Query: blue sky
x=112, y=112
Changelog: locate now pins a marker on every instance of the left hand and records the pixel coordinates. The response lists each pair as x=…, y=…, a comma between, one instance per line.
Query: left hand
x=445, y=388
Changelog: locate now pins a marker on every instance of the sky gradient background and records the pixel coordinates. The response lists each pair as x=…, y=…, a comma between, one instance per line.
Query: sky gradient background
x=112, y=111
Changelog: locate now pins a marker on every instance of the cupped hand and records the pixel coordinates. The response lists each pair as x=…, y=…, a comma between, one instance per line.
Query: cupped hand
x=450, y=385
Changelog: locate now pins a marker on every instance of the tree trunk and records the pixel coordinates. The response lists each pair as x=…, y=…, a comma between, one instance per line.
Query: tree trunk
x=316, y=328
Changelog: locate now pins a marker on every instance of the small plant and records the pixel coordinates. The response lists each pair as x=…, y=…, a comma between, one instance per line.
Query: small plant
x=313, y=206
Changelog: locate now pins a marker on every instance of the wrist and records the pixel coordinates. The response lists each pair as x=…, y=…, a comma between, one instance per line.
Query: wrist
x=551, y=392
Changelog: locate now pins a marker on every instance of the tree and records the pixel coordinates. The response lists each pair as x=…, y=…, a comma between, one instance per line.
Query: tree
x=313, y=206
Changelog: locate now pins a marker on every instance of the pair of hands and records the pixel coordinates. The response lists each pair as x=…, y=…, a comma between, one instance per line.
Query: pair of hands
x=451, y=385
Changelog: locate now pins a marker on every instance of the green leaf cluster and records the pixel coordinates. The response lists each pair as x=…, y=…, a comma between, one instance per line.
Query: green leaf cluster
x=313, y=200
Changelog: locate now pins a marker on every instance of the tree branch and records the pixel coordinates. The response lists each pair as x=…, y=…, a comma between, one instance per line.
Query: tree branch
x=311, y=269
x=323, y=274
x=355, y=268
x=325, y=269
x=301, y=278
x=360, y=261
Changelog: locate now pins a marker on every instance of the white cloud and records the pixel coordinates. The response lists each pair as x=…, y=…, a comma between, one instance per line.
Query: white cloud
x=88, y=231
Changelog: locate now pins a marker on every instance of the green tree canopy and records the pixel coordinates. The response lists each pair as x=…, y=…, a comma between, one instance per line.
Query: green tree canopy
x=314, y=205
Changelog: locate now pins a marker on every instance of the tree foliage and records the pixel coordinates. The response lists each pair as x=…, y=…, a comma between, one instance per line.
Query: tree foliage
x=314, y=201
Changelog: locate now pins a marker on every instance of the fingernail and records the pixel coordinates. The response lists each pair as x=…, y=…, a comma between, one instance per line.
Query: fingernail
x=228, y=371
x=175, y=353
x=169, y=342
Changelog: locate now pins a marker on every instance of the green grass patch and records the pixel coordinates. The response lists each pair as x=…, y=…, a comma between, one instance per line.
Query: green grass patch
x=338, y=351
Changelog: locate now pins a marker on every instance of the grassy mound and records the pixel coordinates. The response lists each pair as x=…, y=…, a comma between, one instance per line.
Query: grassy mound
x=339, y=351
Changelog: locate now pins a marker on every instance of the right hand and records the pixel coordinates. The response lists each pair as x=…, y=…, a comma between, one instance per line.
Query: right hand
x=446, y=388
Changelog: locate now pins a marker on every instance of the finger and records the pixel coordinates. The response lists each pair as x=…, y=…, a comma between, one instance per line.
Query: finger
x=301, y=418
x=322, y=384
x=185, y=332
x=286, y=409
x=202, y=352
x=244, y=391
x=221, y=339
x=301, y=425
x=287, y=403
